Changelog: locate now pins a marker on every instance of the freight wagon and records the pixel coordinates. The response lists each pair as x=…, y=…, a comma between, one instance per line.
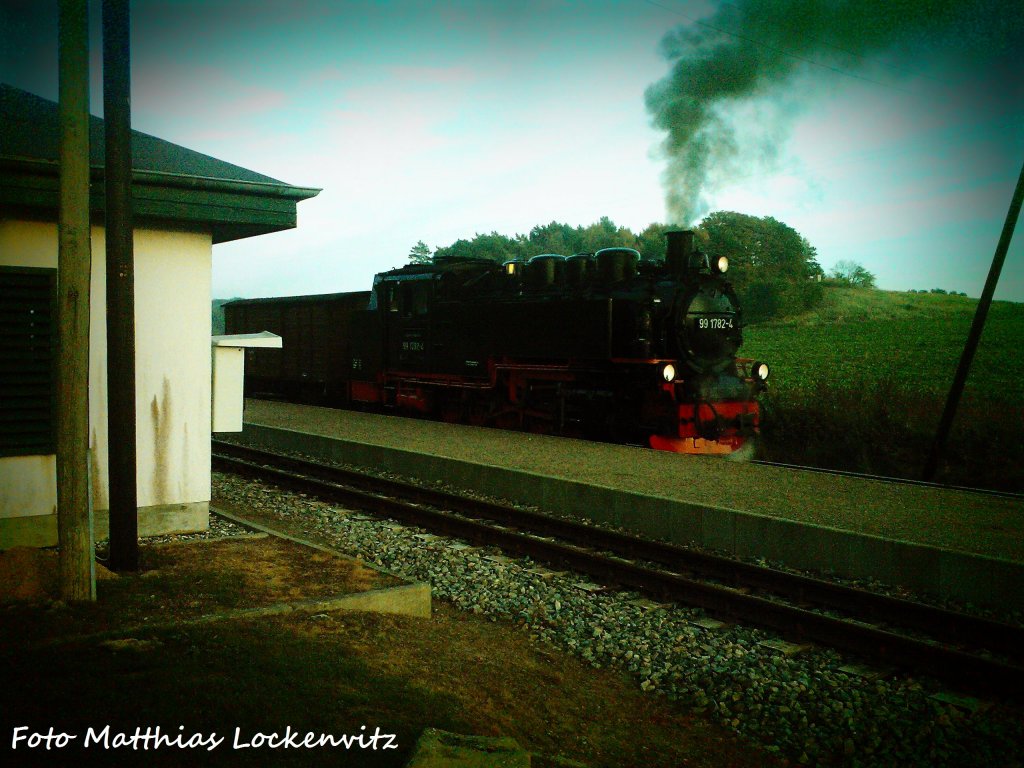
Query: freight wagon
x=317, y=344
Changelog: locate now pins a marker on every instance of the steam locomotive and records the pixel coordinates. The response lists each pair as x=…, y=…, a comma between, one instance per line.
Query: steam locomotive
x=603, y=345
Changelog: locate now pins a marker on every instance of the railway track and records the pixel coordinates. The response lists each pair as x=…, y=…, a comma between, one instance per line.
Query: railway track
x=974, y=653
x=893, y=480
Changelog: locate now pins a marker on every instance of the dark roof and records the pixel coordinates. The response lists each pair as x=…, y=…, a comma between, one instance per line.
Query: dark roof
x=320, y=298
x=170, y=182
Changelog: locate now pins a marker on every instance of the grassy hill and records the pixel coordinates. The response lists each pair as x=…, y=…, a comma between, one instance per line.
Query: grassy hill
x=913, y=339
x=860, y=383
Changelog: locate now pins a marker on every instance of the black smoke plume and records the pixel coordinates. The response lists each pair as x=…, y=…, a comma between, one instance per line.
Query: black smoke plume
x=752, y=48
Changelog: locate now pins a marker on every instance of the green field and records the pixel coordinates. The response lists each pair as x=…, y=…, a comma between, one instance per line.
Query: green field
x=860, y=383
x=914, y=340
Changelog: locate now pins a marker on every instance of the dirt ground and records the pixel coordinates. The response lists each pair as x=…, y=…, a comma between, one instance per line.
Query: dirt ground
x=263, y=568
x=454, y=671
x=178, y=582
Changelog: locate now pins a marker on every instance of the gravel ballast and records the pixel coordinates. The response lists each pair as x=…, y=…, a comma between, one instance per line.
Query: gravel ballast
x=797, y=702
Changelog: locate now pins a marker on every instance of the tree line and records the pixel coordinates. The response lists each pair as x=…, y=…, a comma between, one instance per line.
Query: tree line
x=772, y=267
x=550, y=238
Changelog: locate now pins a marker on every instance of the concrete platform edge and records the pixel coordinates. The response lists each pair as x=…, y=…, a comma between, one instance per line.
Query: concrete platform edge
x=941, y=572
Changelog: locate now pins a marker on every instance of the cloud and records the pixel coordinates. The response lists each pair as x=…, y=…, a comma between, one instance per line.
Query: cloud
x=753, y=49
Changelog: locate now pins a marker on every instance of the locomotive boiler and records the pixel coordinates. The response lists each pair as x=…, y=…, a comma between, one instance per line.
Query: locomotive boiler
x=603, y=345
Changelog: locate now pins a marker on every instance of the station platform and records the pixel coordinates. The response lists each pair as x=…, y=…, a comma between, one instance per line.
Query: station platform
x=952, y=544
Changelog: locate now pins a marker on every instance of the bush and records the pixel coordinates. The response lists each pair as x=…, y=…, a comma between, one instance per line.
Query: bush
x=760, y=301
x=884, y=428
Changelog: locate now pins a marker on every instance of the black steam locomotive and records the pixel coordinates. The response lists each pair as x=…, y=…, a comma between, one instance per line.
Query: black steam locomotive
x=602, y=345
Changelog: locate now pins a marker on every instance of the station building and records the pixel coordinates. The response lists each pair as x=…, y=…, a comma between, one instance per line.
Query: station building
x=184, y=203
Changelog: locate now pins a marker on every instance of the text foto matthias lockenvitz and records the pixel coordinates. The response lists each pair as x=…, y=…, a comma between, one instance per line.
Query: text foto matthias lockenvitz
x=153, y=737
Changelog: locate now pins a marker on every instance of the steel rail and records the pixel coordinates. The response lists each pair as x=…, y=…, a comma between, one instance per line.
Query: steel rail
x=975, y=672
x=890, y=479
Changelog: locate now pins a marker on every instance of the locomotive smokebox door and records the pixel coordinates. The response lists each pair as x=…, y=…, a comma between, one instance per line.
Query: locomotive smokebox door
x=708, y=332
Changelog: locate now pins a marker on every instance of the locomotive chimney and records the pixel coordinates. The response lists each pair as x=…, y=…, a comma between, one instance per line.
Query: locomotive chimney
x=679, y=246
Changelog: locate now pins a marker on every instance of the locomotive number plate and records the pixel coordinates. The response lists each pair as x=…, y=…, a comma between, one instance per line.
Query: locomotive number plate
x=714, y=323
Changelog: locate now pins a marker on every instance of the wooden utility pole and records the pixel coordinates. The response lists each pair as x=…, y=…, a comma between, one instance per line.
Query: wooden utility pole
x=74, y=264
x=124, y=510
x=964, y=368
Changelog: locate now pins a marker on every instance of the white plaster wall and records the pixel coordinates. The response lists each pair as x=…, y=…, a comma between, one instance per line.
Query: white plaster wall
x=172, y=315
x=173, y=271
x=28, y=486
x=228, y=386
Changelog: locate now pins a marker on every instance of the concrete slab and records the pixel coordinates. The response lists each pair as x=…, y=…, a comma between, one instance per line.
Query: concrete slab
x=29, y=531
x=408, y=599
x=160, y=520
x=441, y=749
x=992, y=582
x=893, y=562
x=790, y=541
x=718, y=528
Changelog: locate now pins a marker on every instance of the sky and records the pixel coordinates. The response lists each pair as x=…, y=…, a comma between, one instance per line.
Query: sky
x=435, y=121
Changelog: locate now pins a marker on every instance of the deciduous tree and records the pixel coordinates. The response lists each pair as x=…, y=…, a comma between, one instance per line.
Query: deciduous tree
x=852, y=273
x=773, y=268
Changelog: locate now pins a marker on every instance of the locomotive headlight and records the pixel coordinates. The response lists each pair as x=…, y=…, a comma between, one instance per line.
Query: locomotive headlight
x=760, y=371
x=721, y=265
x=668, y=373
